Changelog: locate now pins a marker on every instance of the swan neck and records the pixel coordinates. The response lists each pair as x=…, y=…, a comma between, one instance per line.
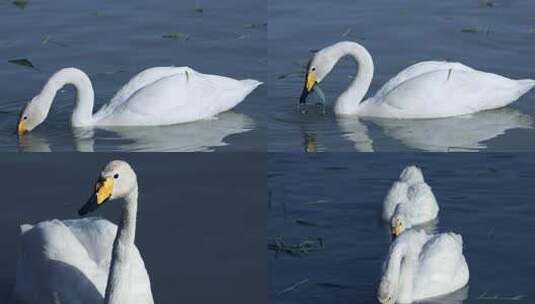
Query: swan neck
x=117, y=288
x=348, y=102
x=394, y=268
x=83, y=107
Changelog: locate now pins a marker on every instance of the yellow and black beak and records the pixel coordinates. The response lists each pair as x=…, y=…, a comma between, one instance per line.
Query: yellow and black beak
x=22, y=126
x=310, y=83
x=396, y=230
x=103, y=190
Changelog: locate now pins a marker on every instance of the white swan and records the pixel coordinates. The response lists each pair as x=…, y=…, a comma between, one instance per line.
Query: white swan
x=421, y=266
x=429, y=89
x=409, y=202
x=156, y=96
x=87, y=260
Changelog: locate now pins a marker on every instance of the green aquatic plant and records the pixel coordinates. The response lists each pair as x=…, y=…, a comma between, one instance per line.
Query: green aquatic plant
x=306, y=223
x=23, y=62
x=487, y=3
x=303, y=248
x=20, y=3
x=255, y=25
x=177, y=36
x=470, y=30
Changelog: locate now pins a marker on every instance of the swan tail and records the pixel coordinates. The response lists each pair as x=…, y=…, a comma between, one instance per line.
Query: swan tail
x=526, y=84
x=251, y=83
x=25, y=227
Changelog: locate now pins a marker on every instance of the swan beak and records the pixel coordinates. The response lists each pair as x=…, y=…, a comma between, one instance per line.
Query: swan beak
x=103, y=190
x=22, y=128
x=396, y=230
x=310, y=82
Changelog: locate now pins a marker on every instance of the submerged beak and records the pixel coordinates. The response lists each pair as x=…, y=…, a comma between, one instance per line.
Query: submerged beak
x=22, y=127
x=103, y=190
x=310, y=83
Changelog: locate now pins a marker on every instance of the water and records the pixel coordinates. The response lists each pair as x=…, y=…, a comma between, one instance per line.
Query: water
x=398, y=34
x=113, y=41
x=487, y=198
x=189, y=257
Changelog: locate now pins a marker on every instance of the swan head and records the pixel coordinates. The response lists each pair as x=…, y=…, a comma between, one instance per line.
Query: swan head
x=386, y=292
x=317, y=69
x=33, y=114
x=117, y=180
x=399, y=224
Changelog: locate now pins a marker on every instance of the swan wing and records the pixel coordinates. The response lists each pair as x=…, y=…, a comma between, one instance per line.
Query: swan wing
x=54, y=266
x=442, y=267
x=137, y=82
x=445, y=93
x=182, y=97
x=417, y=70
x=143, y=79
x=423, y=206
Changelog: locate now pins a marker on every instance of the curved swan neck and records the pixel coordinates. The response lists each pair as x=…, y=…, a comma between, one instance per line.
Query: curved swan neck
x=83, y=109
x=400, y=272
x=348, y=102
x=117, y=289
x=393, y=271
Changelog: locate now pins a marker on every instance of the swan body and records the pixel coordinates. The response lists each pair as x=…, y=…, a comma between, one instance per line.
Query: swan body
x=421, y=266
x=156, y=96
x=87, y=260
x=68, y=262
x=409, y=202
x=430, y=89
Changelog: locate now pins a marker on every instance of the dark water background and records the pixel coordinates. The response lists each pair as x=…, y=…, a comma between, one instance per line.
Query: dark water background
x=113, y=41
x=487, y=198
x=490, y=35
x=201, y=236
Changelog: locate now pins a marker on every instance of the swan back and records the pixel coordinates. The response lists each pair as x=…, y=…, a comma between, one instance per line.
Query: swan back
x=445, y=93
x=139, y=81
x=442, y=268
x=179, y=95
x=412, y=175
x=417, y=70
x=421, y=205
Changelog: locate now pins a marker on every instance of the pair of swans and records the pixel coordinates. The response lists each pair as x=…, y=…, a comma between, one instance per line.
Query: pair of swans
x=419, y=265
x=89, y=260
x=156, y=96
x=429, y=89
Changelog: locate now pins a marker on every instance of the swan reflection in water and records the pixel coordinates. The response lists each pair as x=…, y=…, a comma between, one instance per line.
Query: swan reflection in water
x=202, y=135
x=457, y=297
x=461, y=133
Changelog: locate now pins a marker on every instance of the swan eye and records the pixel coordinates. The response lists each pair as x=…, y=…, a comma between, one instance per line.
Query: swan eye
x=313, y=68
x=116, y=176
x=25, y=117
